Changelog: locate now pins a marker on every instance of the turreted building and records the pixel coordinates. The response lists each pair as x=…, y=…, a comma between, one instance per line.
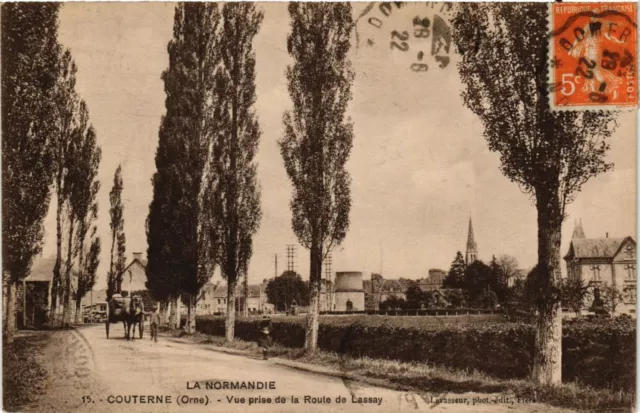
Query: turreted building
x=605, y=261
x=349, y=292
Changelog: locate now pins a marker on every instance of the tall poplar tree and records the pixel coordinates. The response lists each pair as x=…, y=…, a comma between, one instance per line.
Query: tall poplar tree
x=177, y=231
x=80, y=190
x=65, y=108
x=318, y=138
x=117, y=256
x=549, y=154
x=30, y=53
x=236, y=193
x=84, y=207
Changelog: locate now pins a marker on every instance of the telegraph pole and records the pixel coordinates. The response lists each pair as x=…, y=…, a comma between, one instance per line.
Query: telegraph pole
x=291, y=257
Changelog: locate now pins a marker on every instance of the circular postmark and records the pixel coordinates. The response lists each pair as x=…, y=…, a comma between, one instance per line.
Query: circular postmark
x=592, y=55
x=71, y=358
x=419, y=33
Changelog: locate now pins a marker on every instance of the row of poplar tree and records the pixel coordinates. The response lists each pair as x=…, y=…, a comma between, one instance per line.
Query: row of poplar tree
x=206, y=195
x=48, y=147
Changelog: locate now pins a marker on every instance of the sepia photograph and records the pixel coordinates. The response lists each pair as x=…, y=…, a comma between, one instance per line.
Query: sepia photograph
x=319, y=206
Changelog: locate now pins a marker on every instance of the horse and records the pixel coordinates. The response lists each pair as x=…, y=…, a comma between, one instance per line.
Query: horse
x=130, y=311
x=135, y=316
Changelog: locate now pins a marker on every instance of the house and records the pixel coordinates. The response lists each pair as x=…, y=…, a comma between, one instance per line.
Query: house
x=213, y=299
x=33, y=306
x=605, y=261
x=134, y=276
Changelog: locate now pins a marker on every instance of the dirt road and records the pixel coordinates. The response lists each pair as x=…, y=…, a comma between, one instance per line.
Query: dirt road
x=89, y=373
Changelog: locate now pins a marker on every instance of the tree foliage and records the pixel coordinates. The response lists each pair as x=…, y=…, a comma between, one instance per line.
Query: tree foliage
x=575, y=293
x=116, y=212
x=541, y=150
x=30, y=53
x=455, y=276
x=80, y=191
x=179, y=254
x=66, y=110
x=89, y=270
x=287, y=288
x=611, y=297
x=318, y=137
x=83, y=205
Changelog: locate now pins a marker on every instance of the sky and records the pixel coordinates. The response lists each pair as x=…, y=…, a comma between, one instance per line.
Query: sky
x=420, y=166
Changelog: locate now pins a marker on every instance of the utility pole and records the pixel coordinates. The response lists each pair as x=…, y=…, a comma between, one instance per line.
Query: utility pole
x=291, y=257
x=328, y=285
x=276, y=275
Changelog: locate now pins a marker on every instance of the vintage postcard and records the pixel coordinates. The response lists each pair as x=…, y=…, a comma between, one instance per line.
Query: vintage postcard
x=318, y=207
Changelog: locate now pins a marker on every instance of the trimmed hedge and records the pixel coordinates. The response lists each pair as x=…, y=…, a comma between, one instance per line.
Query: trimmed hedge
x=599, y=353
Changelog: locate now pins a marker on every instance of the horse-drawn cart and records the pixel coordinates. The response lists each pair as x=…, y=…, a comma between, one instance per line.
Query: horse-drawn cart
x=129, y=311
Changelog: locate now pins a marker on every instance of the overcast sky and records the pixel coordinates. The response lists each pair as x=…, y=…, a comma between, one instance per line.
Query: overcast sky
x=420, y=166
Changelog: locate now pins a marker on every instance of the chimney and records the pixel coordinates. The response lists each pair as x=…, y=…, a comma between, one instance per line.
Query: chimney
x=607, y=235
x=137, y=256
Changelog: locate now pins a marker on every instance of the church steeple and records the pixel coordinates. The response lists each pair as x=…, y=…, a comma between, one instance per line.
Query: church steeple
x=578, y=232
x=472, y=248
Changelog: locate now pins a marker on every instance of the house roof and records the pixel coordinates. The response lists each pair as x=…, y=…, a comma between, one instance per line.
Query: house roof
x=42, y=269
x=596, y=247
x=141, y=262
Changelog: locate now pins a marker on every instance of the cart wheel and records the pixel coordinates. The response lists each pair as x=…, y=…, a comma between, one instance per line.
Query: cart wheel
x=106, y=324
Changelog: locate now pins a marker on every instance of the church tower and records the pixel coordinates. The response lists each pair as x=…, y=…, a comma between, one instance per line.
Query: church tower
x=472, y=248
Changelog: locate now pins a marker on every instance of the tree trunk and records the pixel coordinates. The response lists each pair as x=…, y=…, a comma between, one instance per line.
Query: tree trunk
x=163, y=312
x=245, y=308
x=173, y=313
x=547, y=363
x=79, y=315
x=311, y=333
x=191, y=314
x=230, y=321
x=57, y=276
x=10, y=319
x=66, y=314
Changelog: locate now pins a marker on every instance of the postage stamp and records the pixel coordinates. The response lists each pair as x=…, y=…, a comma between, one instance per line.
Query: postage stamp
x=593, y=52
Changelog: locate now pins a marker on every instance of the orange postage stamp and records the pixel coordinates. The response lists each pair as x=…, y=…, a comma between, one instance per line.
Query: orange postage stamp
x=593, y=56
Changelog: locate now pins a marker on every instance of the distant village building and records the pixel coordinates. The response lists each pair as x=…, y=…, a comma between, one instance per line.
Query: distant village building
x=434, y=281
x=213, y=299
x=604, y=261
x=472, y=248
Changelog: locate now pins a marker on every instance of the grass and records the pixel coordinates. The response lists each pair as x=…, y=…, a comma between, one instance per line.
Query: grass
x=424, y=378
x=23, y=376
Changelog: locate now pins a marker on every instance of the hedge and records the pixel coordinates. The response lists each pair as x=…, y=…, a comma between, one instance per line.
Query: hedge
x=599, y=353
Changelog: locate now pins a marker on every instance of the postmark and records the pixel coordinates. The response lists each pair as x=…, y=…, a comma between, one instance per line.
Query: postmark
x=72, y=358
x=593, y=52
x=418, y=33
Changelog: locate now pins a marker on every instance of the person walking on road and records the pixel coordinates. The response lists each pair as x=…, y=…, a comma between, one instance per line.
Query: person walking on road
x=155, y=323
x=265, y=342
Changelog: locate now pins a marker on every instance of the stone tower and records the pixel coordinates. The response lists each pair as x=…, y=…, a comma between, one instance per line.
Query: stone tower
x=472, y=248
